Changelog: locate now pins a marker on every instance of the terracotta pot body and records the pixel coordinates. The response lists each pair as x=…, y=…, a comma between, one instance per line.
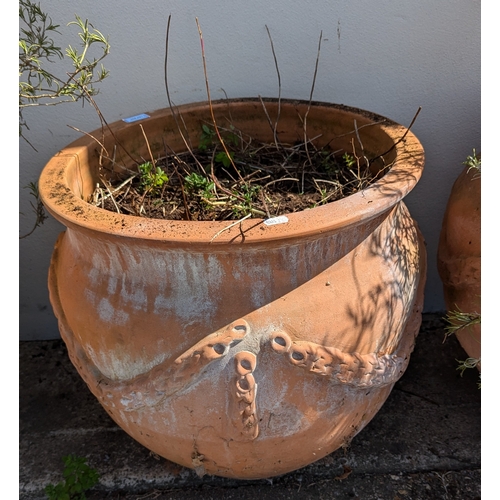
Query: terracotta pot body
x=264, y=349
x=459, y=255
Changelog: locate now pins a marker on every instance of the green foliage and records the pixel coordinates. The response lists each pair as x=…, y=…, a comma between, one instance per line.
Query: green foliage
x=473, y=162
x=78, y=478
x=224, y=158
x=209, y=140
x=207, y=137
x=152, y=178
x=328, y=162
x=324, y=196
x=199, y=184
x=231, y=137
x=333, y=165
x=458, y=320
x=249, y=194
x=38, y=85
x=37, y=50
x=349, y=160
x=468, y=363
x=37, y=207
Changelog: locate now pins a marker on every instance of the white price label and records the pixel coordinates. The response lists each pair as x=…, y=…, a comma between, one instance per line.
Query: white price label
x=282, y=219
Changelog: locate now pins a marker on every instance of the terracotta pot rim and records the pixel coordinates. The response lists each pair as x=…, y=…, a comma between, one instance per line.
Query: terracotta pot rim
x=379, y=197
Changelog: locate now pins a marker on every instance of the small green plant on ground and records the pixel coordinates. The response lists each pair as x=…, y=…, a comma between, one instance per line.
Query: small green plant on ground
x=78, y=478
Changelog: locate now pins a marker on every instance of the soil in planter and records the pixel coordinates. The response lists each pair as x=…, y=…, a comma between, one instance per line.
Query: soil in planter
x=230, y=177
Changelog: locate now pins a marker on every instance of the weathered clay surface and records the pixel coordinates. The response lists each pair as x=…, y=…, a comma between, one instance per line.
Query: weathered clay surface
x=258, y=352
x=459, y=255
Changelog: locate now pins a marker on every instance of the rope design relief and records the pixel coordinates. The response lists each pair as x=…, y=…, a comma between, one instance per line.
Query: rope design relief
x=360, y=370
x=244, y=397
x=167, y=378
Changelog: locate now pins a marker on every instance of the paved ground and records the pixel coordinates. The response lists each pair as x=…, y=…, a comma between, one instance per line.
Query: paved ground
x=423, y=444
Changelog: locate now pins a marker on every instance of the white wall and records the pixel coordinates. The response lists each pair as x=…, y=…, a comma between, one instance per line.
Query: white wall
x=386, y=56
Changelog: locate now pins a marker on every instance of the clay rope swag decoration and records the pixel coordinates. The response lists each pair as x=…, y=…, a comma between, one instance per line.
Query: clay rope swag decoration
x=168, y=378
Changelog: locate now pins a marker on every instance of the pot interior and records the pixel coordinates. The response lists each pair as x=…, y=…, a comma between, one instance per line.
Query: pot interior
x=330, y=126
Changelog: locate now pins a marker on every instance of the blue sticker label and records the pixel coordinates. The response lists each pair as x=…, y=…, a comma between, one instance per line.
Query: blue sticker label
x=135, y=118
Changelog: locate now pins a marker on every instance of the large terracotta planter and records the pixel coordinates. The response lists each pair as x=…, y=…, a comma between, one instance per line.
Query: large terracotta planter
x=265, y=349
x=459, y=255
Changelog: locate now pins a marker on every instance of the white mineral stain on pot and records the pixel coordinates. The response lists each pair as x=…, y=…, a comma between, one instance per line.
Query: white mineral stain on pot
x=105, y=309
x=189, y=286
x=94, y=274
x=134, y=294
x=260, y=294
x=111, y=315
x=117, y=364
x=112, y=285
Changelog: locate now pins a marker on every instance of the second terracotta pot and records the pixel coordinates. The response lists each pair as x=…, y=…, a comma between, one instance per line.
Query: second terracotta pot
x=459, y=255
